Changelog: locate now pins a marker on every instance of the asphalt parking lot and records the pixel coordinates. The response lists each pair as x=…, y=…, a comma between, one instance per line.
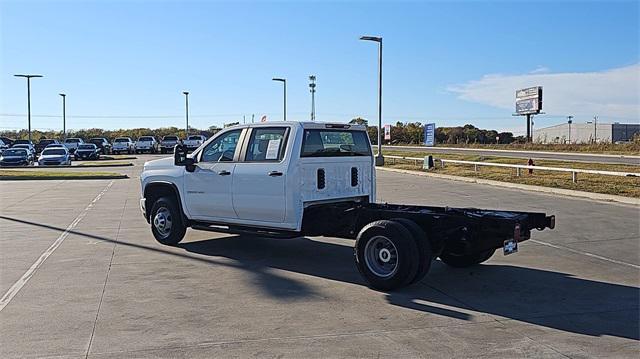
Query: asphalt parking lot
x=82, y=276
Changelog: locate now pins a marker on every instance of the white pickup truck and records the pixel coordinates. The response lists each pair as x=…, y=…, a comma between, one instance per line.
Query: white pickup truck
x=293, y=179
x=194, y=141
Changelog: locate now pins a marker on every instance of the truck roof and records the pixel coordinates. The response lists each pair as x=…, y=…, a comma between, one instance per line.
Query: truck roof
x=305, y=124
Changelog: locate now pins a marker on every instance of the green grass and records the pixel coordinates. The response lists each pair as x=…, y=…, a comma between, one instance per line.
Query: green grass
x=632, y=148
x=53, y=175
x=103, y=164
x=621, y=186
x=117, y=157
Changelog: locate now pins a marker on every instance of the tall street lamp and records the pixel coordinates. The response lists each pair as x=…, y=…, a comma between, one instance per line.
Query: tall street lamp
x=64, y=116
x=28, y=77
x=379, y=157
x=569, y=121
x=312, y=88
x=186, y=109
x=284, y=82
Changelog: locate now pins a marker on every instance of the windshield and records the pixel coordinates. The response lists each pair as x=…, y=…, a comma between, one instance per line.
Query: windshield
x=54, y=152
x=170, y=138
x=145, y=138
x=87, y=147
x=194, y=138
x=72, y=140
x=122, y=140
x=21, y=142
x=96, y=140
x=46, y=142
x=14, y=152
x=335, y=143
x=21, y=145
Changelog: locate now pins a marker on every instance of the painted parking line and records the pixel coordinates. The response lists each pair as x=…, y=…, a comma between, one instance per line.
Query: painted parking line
x=610, y=260
x=15, y=288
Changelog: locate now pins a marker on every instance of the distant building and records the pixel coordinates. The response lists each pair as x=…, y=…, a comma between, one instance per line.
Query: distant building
x=586, y=132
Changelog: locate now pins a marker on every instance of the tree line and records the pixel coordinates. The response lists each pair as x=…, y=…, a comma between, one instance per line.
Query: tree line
x=134, y=133
x=412, y=133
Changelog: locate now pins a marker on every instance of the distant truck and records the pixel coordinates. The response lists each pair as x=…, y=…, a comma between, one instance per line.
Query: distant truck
x=293, y=179
x=194, y=141
x=123, y=145
x=146, y=144
x=43, y=143
x=72, y=143
x=168, y=143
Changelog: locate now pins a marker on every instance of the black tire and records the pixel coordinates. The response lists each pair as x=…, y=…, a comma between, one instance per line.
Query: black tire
x=172, y=215
x=400, y=243
x=425, y=254
x=467, y=260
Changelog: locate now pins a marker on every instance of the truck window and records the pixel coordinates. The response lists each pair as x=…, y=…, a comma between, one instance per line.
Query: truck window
x=222, y=148
x=267, y=144
x=335, y=143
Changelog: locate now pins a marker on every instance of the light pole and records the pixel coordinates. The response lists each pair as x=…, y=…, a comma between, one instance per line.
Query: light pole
x=569, y=121
x=28, y=77
x=312, y=88
x=284, y=82
x=379, y=157
x=186, y=109
x=595, y=129
x=64, y=116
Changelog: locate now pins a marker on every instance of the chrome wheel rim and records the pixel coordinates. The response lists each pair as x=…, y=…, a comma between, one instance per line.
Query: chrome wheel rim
x=381, y=256
x=162, y=222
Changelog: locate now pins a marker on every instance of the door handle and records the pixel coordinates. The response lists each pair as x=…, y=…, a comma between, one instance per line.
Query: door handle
x=224, y=173
x=275, y=173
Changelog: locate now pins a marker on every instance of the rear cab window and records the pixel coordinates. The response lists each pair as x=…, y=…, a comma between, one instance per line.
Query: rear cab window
x=267, y=144
x=334, y=143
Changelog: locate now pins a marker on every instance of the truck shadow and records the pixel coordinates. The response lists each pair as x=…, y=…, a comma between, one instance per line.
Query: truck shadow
x=540, y=297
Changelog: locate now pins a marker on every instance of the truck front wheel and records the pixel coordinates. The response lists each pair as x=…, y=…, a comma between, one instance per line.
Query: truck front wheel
x=466, y=260
x=386, y=255
x=166, y=222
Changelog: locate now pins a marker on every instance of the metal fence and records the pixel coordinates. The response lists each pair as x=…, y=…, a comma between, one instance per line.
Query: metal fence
x=574, y=171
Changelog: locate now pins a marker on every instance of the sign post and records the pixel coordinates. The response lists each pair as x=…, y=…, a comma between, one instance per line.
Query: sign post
x=387, y=132
x=529, y=103
x=430, y=134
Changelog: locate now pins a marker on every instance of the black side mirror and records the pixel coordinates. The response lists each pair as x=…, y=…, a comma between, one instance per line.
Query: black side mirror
x=180, y=158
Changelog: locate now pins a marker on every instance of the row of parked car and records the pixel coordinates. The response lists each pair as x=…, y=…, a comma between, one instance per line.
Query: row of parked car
x=53, y=152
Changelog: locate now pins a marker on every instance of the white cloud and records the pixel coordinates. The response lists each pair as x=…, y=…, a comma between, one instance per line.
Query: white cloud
x=612, y=93
x=540, y=70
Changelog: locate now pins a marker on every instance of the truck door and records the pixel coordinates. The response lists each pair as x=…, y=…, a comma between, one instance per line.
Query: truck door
x=208, y=188
x=259, y=181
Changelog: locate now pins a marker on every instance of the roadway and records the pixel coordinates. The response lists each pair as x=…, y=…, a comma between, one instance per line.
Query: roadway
x=560, y=156
x=82, y=276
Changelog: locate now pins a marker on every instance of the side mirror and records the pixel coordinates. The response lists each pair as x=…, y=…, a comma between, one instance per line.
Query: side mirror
x=180, y=158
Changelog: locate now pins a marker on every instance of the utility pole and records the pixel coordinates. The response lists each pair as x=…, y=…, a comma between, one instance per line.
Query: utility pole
x=28, y=77
x=186, y=109
x=64, y=116
x=569, y=121
x=595, y=129
x=252, y=116
x=312, y=88
x=379, y=158
x=284, y=82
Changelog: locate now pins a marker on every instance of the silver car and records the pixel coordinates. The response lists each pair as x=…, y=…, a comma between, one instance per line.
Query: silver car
x=55, y=156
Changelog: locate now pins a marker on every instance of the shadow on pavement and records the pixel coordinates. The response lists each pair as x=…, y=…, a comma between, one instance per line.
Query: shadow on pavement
x=545, y=298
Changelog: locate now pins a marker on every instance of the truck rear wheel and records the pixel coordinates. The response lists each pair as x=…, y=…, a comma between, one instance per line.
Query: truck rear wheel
x=386, y=255
x=166, y=221
x=466, y=260
x=425, y=255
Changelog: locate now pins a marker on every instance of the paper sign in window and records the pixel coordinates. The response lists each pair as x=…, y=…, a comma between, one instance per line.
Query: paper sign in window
x=272, y=149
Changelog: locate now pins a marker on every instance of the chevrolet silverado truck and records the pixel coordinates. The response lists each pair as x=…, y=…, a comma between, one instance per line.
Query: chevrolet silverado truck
x=293, y=179
x=194, y=141
x=168, y=143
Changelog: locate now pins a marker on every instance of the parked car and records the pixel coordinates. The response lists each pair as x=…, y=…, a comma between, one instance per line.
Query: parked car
x=56, y=145
x=72, y=143
x=43, y=143
x=23, y=142
x=16, y=157
x=194, y=141
x=146, y=144
x=55, y=156
x=87, y=151
x=103, y=145
x=7, y=141
x=3, y=145
x=123, y=144
x=168, y=143
x=27, y=146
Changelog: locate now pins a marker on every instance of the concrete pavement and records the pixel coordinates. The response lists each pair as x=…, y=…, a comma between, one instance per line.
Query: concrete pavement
x=110, y=291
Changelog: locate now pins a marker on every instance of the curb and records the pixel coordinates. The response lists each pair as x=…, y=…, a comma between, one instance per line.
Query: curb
x=29, y=178
x=72, y=166
x=525, y=187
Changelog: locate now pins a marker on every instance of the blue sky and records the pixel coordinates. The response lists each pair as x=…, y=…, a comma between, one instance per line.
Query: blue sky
x=125, y=64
